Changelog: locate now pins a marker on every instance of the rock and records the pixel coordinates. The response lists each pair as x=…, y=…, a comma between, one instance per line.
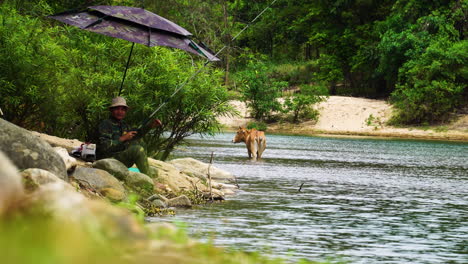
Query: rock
x=136, y=180
x=63, y=203
x=228, y=191
x=217, y=194
x=225, y=189
x=160, y=187
x=69, y=161
x=224, y=185
x=33, y=178
x=26, y=150
x=170, y=178
x=158, y=197
x=158, y=203
x=198, y=167
x=68, y=144
x=102, y=181
x=181, y=201
x=112, y=166
x=112, y=194
x=168, y=174
x=158, y=200
x=11, y=188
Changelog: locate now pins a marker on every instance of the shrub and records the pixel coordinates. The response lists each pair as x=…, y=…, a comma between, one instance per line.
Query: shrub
x=432, y=85
x=261, y=126
x=259, y=91
x=301, y=104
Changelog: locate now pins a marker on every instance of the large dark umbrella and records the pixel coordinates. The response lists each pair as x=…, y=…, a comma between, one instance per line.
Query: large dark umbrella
x=136, y=25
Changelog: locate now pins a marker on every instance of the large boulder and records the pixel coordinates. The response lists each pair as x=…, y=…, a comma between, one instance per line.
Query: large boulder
x=101, y=181
x=112, y=166
x=139, y=182
x=64, y=204
x=26, y=150
x=68, y=144
x=181, y=201
x=197, y=167
x=176, y=180
x=11, y=188
x=33, y=178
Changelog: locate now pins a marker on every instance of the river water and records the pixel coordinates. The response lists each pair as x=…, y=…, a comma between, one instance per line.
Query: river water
x=362, y=200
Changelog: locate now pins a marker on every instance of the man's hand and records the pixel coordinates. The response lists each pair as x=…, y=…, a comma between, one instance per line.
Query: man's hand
x=128, y=136
x=156, y=123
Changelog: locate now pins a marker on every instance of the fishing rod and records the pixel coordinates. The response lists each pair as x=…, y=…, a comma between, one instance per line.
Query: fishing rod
x=203, y=67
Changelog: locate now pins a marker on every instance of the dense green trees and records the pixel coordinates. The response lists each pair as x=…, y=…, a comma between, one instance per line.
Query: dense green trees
x=59, y=79
x=412, y=50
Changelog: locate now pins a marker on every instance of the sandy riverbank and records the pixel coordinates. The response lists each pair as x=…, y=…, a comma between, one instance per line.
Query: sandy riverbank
x=351, y=116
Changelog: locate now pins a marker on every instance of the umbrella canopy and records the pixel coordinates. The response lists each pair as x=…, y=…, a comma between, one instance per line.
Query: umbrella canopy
x=136, y=25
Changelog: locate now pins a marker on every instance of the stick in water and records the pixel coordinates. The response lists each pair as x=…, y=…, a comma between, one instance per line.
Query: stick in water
x=300, y=188
x=209, y=175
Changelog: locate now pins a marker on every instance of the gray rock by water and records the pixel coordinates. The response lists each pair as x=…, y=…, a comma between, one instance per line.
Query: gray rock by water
x=197, y=167
x=159, y=203
x=181, y=201
x=138, y=180
x=26, y=150
x=102, y=181
x=112, y=166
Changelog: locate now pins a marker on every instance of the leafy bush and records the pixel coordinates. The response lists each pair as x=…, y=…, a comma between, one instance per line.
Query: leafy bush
x=260, y=91
x=433, y=83
x=300, y=104
x=192, y=110
x=26, y=90
x=261, y=126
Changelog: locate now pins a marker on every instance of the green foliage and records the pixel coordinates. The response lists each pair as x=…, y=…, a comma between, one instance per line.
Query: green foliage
x=192, y=110
x=294, y=74
x=261, y=126
x=301, y=104
x=132, y=205
x=368, y=48
x=259, y=91
x=23, y=50
x=432, y=83
x=374, y=121
x=59, y=79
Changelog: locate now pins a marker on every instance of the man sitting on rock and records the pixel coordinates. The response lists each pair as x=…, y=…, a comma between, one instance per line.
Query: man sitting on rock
x=117, y=140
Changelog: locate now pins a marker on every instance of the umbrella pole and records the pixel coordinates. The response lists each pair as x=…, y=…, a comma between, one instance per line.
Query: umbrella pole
x=126, y=68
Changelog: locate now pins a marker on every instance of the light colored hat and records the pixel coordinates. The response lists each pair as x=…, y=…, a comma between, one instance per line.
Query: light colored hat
x=118, y=101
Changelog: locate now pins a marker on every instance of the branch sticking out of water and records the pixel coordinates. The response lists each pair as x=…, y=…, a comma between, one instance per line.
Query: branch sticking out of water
x=300, y=188
x=237, y=184
x=209, y=175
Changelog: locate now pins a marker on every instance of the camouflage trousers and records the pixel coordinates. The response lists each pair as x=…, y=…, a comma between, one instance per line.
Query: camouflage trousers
x=135, y=154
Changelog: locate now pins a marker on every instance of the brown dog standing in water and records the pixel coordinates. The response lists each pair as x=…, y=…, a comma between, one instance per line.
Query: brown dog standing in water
x=254, y=140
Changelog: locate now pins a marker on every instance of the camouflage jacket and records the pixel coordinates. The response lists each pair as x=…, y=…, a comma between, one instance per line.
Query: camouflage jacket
x=109, y=132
